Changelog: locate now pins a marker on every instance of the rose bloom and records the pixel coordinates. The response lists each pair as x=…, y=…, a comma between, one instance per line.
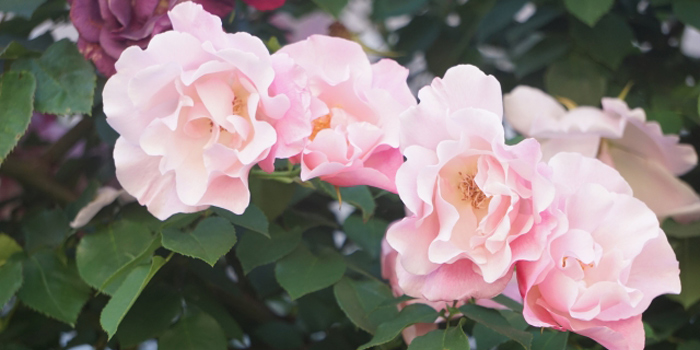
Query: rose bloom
x=388, y=261
x=604, y=263
x=353, y=138
x=476, y=205
x=107, y=27
x=195, y=114
x=620, y=137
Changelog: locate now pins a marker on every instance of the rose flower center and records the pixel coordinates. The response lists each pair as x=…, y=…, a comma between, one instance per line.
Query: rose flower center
x=319, y=124
x=471, y=192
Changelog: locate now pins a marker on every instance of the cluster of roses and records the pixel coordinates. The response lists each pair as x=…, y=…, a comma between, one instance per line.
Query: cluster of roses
x=198, y=108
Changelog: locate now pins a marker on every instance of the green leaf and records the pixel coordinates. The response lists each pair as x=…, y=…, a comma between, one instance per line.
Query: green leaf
x=541, y=55
x=692, y=344
x=127, y=293
x=496, y=322
x=102, y=254
x=151, y=315
x=65, y=80
x=688, y=11
x=670, y=121
x=8, y=247
x=486, y=338
x=10, y=280
x=363, y=302
x=549, y=340
x=253, y=219
x=272, y=197
x=280, y=335
x=589, y=11
x=206, y=302
x=23, y=8
x=52, y=287
x=194, y=332
x=389, y=8
x=597, y=42
x=452, y=338
x=14, y=50
x=498, y=18
x=508, y=302
x=210, y=240
x=367, y=235
x=357, y=196
x=16, y=99
x=689, y=263
x=678, y=230
x=578, y=79
x=334, y=7
x=411, y=314
x=45, y=229
x=302, y=272
x=255, y=250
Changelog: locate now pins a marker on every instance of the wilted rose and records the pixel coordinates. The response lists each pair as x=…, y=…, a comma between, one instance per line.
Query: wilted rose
x=621, y=137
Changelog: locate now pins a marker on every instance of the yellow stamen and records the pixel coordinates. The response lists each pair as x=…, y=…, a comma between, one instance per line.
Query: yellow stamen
x=569, y=104
x=625, y=91
x=320, y=124
x=471, y=192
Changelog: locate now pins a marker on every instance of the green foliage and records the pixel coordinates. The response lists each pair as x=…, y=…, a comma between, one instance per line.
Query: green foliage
x=10, y=279
x=8, y=247
x=44, y=229
x=549, y=340
x=23, y=8
x=252, y=219
x=194, y=331
x=687, y=11
x=210, y=240
x=65, y=82
x=302, y=272
x=411, y=314
x=106, y=257
x=53, y=287
x=16, y=99
x=597, y=42
x=689, y=263
x=364, y=302
x=367, y=235
x=589, y=11
x=496, y=322
x=334, y=7
x=127, y=293
x=255, y=250
x=358, y=196
x=452, y=338
x=577, y=79
x=151, y=315
x=292, y=280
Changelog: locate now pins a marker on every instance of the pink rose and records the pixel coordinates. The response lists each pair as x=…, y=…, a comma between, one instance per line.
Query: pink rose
x=604, y=263
x=354, y=135
x=194, y=114
x=388, y=261
x=476, y=206
x=620, y=137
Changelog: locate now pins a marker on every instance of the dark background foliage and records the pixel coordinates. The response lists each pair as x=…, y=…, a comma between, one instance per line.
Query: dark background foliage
x=287, y=279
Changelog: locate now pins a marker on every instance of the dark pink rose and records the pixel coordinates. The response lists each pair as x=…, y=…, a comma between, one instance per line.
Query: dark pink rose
x=107, y=27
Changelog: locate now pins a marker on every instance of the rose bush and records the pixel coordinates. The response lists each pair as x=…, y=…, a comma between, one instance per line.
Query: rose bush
x=283, y=162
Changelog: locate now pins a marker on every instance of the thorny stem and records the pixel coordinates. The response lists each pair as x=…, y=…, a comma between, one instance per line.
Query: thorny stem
x=60, y=148
x=32, y=176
